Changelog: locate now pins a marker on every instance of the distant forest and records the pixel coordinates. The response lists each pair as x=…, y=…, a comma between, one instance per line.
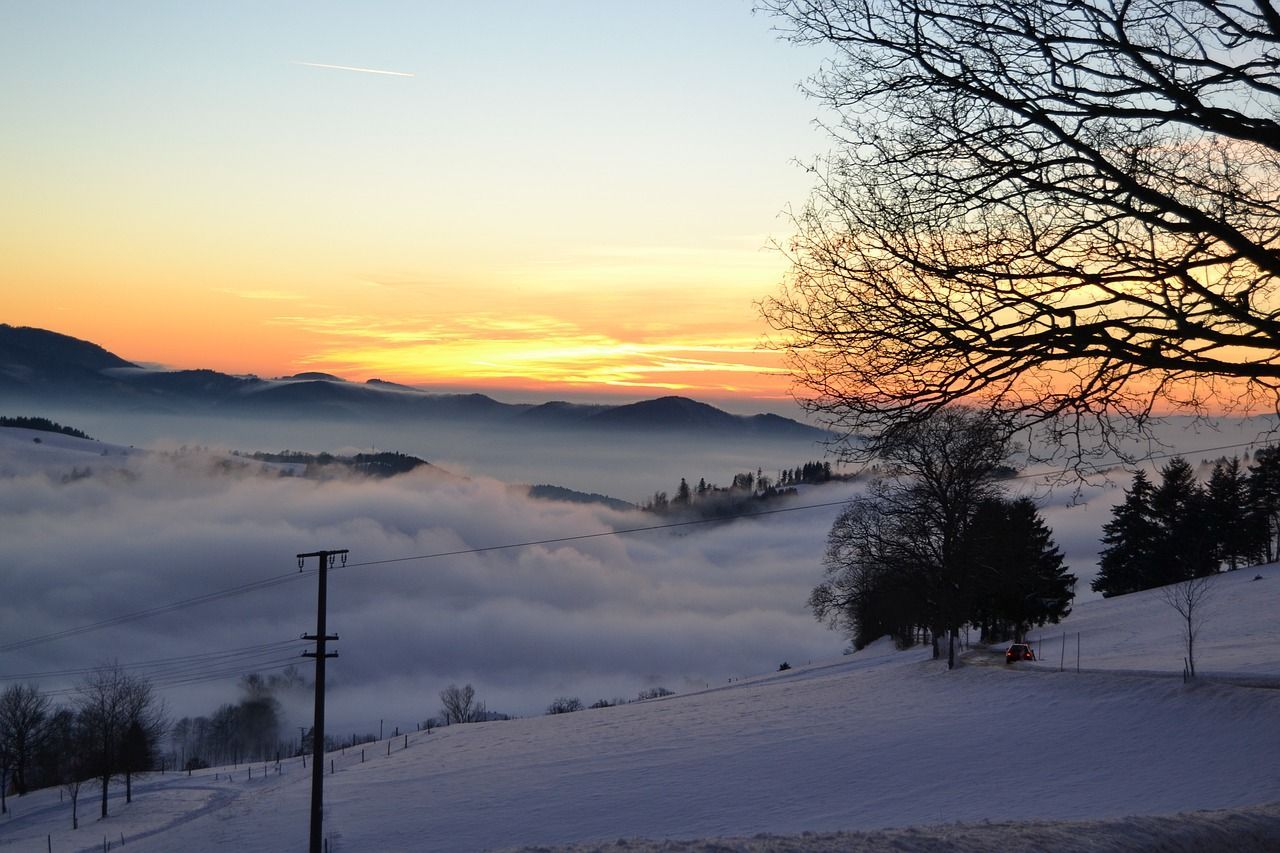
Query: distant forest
x=386, y=464
x=43, y=425
x=710, y=500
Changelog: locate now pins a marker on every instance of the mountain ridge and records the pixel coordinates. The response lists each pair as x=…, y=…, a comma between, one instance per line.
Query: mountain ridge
x=38, y=365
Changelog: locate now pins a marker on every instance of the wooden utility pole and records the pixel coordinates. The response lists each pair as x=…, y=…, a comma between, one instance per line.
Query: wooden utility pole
x=326, y=559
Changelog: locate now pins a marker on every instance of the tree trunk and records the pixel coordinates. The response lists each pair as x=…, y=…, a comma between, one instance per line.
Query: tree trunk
x=951, y=647
x=128, y=787
x=105, y=780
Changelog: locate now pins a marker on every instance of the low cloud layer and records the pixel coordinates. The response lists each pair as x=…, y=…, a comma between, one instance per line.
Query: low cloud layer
x=595, y=618
x=91, y=537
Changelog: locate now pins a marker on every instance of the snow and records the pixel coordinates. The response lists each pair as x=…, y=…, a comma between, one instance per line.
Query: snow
x=886, y=748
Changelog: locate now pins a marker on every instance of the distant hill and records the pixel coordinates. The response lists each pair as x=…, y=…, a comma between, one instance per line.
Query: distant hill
x=43, y=425
x=36, y=357
x=560, y=493
x=385, y=464
x=668, y=413
x=39, y=366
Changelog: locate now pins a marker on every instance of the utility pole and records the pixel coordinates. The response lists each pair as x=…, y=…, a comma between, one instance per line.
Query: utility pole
x=326, y=559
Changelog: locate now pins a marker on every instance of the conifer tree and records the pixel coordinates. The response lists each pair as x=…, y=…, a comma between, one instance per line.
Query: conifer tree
x=1235, y=535
x=1264, y=500
x=682, y=494
x=1125, y=564
x=1184, y=548
x=1021, y=576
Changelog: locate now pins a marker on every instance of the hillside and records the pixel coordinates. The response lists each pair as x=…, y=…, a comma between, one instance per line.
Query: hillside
x=866, y=743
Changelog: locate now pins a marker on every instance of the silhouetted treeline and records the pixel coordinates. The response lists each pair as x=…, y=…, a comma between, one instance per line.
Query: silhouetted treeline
x=1181, y=528
x=43, y=425
x=247, y=730
x=111, y=730
x=710, y=500
x=385, y=464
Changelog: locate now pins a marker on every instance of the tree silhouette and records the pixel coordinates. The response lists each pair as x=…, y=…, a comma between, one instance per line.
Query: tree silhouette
x=1064, y=209
x=1126, y=561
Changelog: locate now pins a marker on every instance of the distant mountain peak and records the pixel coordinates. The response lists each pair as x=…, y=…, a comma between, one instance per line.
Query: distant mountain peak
x=313, y=375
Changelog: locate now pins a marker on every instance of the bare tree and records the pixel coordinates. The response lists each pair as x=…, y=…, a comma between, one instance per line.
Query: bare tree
x=67, y=741
x=23, y=712
x=565, y=705
x=110, y=702
x=913, y=527
x=1067, y=209
x=1190, y=598
x=459, y=705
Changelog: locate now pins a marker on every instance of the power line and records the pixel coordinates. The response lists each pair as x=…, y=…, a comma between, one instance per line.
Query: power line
x=151, y=611
x=233, y=670
x=581, y=536
x=184, y=662
x=279, y=579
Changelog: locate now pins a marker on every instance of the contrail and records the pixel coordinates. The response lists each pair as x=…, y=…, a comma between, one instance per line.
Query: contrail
x=353, y=68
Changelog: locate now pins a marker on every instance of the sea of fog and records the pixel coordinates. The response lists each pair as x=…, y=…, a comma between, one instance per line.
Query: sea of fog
x=629, y=466
x=92, y=537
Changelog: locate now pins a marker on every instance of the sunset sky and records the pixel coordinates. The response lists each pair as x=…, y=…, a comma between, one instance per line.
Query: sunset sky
x=564, y=198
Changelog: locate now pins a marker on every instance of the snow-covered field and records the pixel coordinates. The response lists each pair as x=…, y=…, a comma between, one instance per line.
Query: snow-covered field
x=886, y=745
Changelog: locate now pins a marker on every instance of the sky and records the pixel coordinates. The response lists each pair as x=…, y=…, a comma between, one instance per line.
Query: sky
x=563, y=199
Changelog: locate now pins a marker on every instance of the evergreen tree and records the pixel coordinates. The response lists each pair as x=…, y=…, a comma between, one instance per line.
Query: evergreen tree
x=1234, y=533
x=1125, y=564
x=1185, y=546
x=1264, y=500
x=682, y=494
x=1021, y=578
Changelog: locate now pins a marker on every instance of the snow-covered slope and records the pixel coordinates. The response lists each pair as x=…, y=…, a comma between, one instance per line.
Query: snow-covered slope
x=872, y=741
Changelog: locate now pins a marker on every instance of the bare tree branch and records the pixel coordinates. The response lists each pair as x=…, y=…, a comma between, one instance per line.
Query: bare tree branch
x=1066, y=209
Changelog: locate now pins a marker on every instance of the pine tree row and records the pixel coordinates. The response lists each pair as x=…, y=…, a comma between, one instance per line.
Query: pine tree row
x=1181, y=529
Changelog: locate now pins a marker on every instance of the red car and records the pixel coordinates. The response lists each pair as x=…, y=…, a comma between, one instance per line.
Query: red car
x=1019, y=651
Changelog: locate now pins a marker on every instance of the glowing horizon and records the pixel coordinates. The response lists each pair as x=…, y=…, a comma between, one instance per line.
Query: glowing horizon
x=519, y=198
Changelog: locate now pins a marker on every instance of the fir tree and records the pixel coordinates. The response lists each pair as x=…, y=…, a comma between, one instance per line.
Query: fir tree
x=1021, y=576
x=1264, y=500
x=1185, y=547
x=1234, y=533
x=682, y=494
x=1125, y=564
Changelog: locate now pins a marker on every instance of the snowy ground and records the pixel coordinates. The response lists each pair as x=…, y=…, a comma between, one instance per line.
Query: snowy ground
x=986, y=757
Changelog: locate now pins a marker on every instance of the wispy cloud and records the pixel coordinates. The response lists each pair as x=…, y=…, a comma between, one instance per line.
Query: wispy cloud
x=540, y=349
x=355, y=68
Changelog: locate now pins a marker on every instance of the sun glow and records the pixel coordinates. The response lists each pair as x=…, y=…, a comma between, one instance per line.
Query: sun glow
x=538, y=352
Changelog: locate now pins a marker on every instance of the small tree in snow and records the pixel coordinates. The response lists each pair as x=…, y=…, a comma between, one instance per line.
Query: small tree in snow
x=1190, y=598
x=565, y=705
x=459, y=705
